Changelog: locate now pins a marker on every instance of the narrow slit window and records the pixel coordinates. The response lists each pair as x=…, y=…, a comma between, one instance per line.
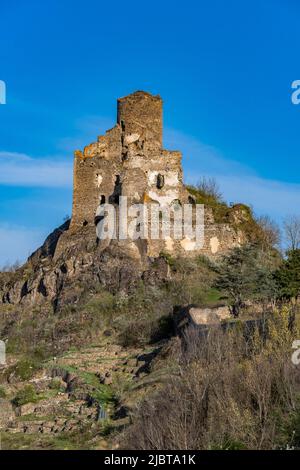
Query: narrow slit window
x=160, y=182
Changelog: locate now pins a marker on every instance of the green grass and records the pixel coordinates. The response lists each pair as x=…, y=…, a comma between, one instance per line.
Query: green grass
x=26, y=395
x=99, y=392
x=24, y=369
x=102, y=393
x=55, y=385
x=212, y=296
x=220, y=209
x=18, y=441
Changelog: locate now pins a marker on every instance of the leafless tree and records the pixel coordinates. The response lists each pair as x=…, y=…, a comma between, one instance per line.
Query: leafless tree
x=210, y=187
x=291, y=226
x=229, y=391
x=270, y=230
x=10, y=268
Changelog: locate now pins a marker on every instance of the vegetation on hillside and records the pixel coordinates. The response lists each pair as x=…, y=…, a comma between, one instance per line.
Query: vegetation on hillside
x=229, y=392
x=260, y=230
x=229, y=387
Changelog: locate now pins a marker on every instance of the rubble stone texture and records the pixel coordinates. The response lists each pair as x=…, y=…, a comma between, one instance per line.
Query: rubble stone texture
x=129, y=160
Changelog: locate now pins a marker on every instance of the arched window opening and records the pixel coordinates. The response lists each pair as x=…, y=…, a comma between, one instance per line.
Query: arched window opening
x=160, y=182
x=192, y=200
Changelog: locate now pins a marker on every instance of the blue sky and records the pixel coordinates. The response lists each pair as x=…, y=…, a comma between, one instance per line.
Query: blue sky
x=223, y=69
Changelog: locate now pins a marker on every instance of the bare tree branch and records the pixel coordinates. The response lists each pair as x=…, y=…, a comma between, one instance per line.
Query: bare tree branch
x=291, y=226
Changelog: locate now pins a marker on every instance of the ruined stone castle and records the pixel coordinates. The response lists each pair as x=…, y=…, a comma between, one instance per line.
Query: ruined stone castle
x=129, y=160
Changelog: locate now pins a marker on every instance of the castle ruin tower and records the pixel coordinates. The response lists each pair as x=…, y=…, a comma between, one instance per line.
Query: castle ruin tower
x=128, y=160
x=140, y=114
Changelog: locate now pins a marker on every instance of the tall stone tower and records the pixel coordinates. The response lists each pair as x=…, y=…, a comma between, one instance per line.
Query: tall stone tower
x=128, y=160
x=141, y=114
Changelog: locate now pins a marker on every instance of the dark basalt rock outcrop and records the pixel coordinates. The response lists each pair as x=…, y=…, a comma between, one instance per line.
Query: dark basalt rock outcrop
x=69, y=264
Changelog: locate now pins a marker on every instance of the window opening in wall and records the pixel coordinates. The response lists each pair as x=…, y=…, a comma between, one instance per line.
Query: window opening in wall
x=114, y=198
x=160, y=181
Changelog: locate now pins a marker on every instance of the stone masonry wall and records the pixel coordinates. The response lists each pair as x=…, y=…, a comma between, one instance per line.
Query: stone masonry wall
x=129, y=160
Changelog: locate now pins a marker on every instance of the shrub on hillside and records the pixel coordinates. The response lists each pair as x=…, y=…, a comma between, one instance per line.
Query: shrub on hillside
x=229, y=393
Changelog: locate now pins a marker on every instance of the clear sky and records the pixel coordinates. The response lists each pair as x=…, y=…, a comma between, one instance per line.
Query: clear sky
x=223, y=68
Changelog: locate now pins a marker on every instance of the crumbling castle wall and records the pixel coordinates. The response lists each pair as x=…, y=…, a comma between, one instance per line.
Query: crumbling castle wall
x=129, y=160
